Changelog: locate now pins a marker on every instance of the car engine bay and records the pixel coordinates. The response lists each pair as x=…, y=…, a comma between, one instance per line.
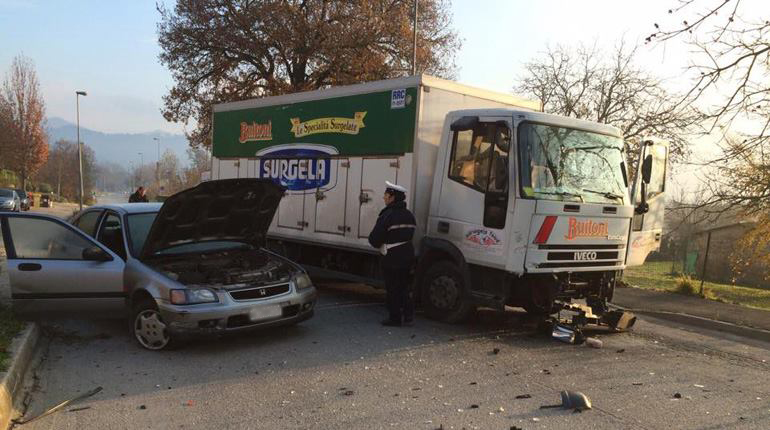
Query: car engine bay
x=227, y=270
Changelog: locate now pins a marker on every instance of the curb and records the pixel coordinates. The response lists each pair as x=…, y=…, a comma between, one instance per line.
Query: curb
x=11, y=381
x=706, y=323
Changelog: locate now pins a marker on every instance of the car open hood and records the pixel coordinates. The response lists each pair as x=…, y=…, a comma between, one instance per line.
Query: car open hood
x=229, y=209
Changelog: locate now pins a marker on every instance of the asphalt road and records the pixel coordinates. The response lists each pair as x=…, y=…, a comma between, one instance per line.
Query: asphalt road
x=341, y=369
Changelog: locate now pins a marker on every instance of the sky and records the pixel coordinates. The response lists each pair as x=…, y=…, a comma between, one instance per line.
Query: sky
x=110, y=50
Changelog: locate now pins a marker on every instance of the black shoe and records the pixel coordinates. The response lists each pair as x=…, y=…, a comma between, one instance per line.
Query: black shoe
x=390, y=323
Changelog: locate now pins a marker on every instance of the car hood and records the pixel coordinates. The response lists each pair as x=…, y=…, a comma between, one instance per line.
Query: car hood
x=237, y=210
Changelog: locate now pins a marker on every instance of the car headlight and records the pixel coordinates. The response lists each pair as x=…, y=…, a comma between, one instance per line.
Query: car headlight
x=301, y=281
x=193, y=296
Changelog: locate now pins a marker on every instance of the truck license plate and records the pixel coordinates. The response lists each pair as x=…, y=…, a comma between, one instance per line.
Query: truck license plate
x=265, y=312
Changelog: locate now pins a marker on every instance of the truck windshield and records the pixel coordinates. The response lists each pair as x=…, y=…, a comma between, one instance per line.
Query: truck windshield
x=560, y=163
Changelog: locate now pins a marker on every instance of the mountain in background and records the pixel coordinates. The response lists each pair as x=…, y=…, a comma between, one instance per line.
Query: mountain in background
x=120, y=147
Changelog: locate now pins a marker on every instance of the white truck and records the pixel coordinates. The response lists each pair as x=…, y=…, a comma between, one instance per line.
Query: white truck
x=514, y=207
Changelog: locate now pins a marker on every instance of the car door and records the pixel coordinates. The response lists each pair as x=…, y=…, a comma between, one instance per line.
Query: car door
x=648, y=196
x=56, y=269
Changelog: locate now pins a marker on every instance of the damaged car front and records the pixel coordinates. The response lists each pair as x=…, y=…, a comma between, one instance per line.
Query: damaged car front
x=200, y=265
x=194, y=265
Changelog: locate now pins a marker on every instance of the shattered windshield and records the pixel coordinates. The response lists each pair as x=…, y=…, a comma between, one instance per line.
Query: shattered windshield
x=560, y=163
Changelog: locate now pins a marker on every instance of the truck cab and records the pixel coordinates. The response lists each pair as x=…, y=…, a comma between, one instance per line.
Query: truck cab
x=530, y=209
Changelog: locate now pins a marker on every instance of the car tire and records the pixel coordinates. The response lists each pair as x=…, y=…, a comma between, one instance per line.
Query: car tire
x=147, y=326
x=444, y=293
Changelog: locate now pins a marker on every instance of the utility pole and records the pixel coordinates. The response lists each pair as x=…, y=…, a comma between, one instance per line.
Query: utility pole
x=157, y=166
x=414, y=44
x=80, y=146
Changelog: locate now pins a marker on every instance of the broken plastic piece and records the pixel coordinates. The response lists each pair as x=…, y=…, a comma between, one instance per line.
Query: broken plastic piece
x=61, y=405
x=594, y=342
x=572, y=400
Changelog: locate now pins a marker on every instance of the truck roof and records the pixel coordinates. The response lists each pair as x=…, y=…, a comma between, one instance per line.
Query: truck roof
x=546, y=118
x=376, y=86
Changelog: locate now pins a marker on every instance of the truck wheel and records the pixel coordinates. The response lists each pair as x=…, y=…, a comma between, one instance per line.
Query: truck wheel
x=539, y=302
x=444, y=293
x=148, y=327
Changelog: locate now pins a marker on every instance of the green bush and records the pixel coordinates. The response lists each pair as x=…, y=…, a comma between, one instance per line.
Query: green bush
x=42, y=187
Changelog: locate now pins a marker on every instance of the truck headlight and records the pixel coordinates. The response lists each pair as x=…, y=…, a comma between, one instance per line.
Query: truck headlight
x=301, y=281
x=193, y=296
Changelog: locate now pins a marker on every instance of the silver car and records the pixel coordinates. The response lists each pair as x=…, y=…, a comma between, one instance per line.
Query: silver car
x=9, y=200
x=194, y=265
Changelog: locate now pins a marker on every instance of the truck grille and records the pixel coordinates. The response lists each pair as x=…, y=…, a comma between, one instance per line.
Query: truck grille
x=260, y=293
x=567, y=256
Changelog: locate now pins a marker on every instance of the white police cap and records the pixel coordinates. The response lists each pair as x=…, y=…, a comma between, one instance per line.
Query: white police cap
x=394, y=187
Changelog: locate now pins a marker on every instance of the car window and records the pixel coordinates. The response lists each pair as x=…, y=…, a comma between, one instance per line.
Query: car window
x=22, y=194
x=6, y=193
x=138, y=228
x=111, y=234
x=87, y=222
x=38, y=238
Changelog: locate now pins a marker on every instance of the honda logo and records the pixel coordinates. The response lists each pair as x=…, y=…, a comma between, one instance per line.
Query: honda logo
x=585, y=255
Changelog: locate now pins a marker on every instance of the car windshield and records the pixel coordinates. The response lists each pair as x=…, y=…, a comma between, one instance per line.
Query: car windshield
x=139, y=227
x=6, y=193
x=560, y=163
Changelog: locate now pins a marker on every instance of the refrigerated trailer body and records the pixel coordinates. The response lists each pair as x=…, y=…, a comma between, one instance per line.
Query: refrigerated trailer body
x=513, y=206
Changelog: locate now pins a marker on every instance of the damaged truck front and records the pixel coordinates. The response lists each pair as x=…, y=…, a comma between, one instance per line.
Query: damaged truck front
x=514, y=207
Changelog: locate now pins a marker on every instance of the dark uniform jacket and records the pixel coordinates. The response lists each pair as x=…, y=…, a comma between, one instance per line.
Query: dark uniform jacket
x=395, y=224
x=137, y=198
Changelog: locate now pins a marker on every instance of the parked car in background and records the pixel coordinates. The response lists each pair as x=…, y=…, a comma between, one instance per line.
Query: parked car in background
x=24, y=199
x=46, y=201
x=194, y=265
x=9, y=200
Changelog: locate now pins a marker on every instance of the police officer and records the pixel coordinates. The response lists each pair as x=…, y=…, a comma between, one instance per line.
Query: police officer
x=393, y=236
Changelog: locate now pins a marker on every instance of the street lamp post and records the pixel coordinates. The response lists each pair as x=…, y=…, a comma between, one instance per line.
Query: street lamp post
x=80, y=146
x=141, y=170
x=157, y=165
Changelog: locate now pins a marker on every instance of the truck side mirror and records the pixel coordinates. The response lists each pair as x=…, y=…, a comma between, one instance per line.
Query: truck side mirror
x=647, y=169
x=464, y=123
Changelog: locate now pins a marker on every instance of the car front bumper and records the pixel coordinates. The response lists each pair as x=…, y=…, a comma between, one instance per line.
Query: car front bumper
x=232, y=316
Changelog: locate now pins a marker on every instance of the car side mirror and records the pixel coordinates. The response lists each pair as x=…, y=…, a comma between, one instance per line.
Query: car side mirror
x=95, y=253
x=647, y=169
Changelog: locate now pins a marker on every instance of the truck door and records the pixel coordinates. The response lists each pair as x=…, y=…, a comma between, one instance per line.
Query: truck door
x=648, y=197
x=374, y=173
x=331, y=200
x=473, y=204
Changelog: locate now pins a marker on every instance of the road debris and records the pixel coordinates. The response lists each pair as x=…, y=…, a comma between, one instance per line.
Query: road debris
x=60, y=406
x=594, y=342
x=677, y=395
x=621, y=350
x=142, y=407
x=474, y=407
x=524, y=396
x=572, y=400
x=495, y=351
x=79, y=409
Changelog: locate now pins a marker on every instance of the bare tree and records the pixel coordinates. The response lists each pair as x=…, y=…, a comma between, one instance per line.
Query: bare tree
x=221, y=51
x=23, y=110
x=730, y=64
x=610, y=88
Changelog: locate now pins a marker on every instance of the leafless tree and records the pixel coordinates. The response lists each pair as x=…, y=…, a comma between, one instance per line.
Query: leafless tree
x=610, y=88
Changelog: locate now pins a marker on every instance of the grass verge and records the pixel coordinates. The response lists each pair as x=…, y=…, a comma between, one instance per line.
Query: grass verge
x=9, y=328
x=656, y=276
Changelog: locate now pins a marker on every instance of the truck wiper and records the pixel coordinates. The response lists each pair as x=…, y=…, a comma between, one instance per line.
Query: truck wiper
x=606, y=194
x=563, y=194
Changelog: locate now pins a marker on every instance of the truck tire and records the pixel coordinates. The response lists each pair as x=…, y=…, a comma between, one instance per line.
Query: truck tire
x=444, y=293
x=539, y=301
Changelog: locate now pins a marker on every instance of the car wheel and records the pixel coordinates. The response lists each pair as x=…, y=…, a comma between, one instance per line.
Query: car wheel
x=444, y=293
x=148, y=326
